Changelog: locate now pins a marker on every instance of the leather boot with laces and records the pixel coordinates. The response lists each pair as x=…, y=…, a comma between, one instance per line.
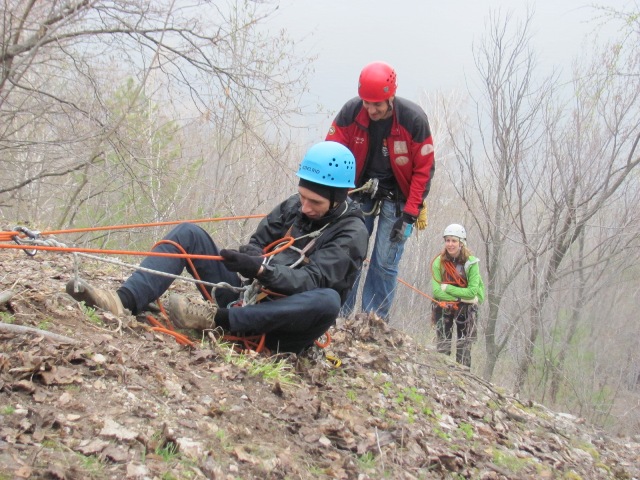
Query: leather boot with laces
x=185, y=312
x=106, y=300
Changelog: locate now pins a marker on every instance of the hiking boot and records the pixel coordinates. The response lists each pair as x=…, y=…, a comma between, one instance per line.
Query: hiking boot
x=189, y=313
x=106, y=300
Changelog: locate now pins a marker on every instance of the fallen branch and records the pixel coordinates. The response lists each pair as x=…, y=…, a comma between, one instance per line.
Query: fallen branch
x=8, y=327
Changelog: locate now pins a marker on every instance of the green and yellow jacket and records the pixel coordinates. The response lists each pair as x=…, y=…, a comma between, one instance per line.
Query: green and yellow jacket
x=474, y=288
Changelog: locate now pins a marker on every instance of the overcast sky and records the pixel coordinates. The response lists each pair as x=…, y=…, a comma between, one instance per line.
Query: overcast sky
x=428, y=42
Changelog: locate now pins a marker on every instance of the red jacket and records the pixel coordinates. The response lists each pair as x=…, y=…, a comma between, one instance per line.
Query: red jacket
x=410, y=146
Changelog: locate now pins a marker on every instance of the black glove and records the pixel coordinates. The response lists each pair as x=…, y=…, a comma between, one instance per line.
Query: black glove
x=250, y=249
x=402, y=228
x=245, y=265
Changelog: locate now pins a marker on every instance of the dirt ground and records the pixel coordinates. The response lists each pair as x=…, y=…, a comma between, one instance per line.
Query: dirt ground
x=111, y=399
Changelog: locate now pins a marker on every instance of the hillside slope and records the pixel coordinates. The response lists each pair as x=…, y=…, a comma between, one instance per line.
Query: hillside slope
x=125, y=402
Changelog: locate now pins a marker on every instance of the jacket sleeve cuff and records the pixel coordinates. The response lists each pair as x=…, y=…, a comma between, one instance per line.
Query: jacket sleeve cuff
x=266, y=277
x=410, y=210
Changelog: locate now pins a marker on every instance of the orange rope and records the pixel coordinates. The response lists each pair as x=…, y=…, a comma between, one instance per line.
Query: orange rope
x=108, y=252
x=440, y=303
x=250, y=342
x=289, y=241
x=193, y=268
x=417, y=291
x=181, y=339
x=169, y=330
x=8, y=236
x=326, y=343
x=451, y=272
x=158, y=327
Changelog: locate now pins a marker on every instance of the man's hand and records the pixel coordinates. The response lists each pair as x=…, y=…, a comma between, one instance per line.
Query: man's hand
x=402, y=228
x=246, y=265
x=250, y=249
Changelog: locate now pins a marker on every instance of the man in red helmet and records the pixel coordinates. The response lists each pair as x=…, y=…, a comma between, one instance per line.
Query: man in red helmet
x=391, y=141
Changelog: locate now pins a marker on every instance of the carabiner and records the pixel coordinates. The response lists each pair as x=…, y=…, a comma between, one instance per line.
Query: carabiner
x=31, y=234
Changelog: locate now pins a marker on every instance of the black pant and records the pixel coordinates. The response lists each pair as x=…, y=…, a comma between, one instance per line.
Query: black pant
x=291, y=323
x=465, y=320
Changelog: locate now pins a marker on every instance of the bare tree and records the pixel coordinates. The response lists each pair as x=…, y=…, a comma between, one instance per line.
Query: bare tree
x=606, y=253
x=492, y=177
x=64, y=125
x=537, y=171
x=594, y=150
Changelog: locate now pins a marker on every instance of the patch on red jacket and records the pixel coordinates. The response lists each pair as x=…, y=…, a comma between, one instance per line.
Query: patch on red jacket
x=400, y=147
x=402, y=160
x=332, y=130
x=426, y=150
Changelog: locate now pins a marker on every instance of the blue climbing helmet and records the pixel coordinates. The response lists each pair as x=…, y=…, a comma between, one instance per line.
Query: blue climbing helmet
x=329, y=163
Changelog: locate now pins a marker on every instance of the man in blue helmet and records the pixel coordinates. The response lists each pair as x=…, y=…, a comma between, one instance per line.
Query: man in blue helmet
x=310, y=281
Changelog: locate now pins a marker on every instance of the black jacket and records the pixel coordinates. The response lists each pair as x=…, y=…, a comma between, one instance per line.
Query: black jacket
x=332, y=262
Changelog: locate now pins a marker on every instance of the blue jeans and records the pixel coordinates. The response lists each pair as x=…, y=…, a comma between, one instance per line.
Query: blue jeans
x=380, y=284
x=291, y=323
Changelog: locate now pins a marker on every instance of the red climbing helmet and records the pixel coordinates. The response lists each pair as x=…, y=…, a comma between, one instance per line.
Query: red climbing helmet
x=377, y=82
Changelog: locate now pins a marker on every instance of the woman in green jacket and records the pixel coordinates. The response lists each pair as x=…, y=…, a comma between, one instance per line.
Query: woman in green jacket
x=457, y=289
